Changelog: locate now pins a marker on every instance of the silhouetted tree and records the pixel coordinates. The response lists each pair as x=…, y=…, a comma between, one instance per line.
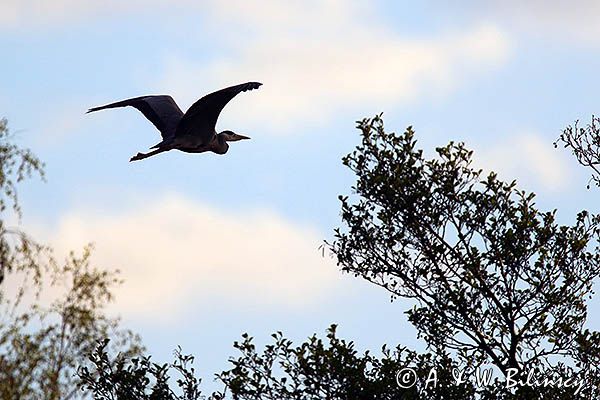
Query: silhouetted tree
x=313, y=370
x=334, y=369
x=584, y=143
x=51, y=313
x=494, y=279
x=137, y=378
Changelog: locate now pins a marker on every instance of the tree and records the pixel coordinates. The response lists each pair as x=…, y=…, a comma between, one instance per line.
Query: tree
x=43, y=338
x=17, y=250
x=334, y=369
x=494, y=279
x=313, y=370
x=585, y=145
x=137, y=378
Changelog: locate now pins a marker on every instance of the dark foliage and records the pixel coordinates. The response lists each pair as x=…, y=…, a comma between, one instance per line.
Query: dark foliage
x=137, y=378
x=584, y=143
x=334, y=369
x=494, y=279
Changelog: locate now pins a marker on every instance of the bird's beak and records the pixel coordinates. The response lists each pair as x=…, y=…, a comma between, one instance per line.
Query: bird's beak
x=242, y=137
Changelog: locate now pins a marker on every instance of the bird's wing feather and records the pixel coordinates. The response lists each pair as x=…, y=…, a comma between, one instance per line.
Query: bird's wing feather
x=162, y=111
x=203, y=114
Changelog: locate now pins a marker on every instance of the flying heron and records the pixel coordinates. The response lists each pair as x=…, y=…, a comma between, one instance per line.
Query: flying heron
x=192, y=132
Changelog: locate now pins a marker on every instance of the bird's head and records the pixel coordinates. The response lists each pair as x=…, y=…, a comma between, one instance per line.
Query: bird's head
x=230, y=136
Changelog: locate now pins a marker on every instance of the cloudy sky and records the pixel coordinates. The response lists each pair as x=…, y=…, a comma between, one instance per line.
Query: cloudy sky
x=213, y=246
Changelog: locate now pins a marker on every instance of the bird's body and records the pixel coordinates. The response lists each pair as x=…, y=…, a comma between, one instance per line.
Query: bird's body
x=192, y=132
x=194, y=144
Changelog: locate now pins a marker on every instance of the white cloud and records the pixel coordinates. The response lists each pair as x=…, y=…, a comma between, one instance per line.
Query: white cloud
x=554, y=19
x=27, y=13
x=529, y=158
x=316, y=58
x=35, y=13
x=175, y=254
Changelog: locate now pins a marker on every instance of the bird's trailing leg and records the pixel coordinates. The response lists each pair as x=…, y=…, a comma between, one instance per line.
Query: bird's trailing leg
x=141, y=156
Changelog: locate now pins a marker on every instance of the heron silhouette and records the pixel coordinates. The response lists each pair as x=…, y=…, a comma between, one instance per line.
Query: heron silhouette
x=192, y=132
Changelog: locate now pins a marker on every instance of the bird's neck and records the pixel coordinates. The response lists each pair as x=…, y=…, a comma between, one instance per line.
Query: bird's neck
x=220, y=146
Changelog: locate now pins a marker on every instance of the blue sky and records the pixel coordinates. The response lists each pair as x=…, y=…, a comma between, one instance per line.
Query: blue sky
x=188, y=230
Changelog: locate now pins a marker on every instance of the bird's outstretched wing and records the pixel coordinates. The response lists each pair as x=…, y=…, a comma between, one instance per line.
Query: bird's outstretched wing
x=162, y=111
x=202, y=115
